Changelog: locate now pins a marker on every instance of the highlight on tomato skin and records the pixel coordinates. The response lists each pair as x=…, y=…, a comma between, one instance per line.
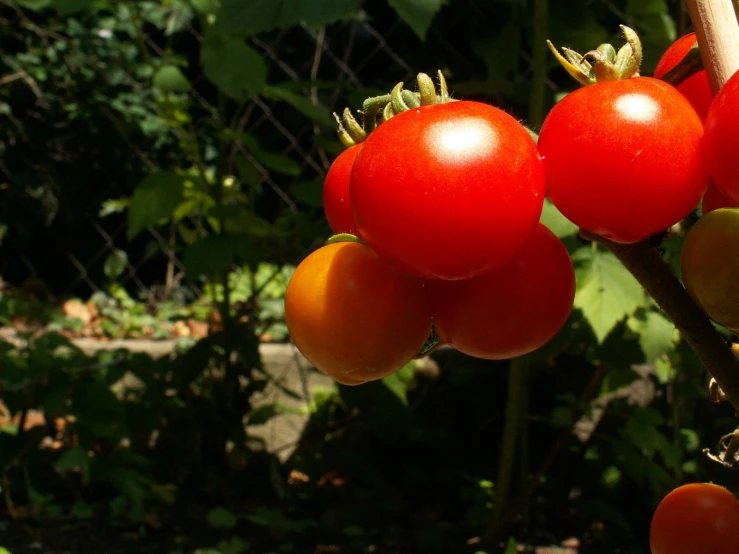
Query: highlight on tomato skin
x=510, y=311
x=336, y=204
x=354, y=316
x=448, y=191
x=696, y=87
x=606, y=145
x=698, y=518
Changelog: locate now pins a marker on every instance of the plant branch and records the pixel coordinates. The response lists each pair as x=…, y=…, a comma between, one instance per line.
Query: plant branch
x=717, y=31
x=657, y=278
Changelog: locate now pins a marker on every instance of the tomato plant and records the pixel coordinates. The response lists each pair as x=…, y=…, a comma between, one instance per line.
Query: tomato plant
x=710, y=265
x=714, y=199
x=698, y=518
x=336, y=204
x=353, y=315
x=607, y=145
x=720, y=139
x=512, y=310
x=448, y=191
x=695, y=88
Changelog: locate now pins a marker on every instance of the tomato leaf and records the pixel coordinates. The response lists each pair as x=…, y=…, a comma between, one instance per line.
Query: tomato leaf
x=250, y=17
x=418, y=14
x=154, y=199
x=217, y=253
x=169, y=78
x=657, y=334
x=233, y=66
x=606, y=291
x=68, y=7
x=556, y=222
x=319, y=114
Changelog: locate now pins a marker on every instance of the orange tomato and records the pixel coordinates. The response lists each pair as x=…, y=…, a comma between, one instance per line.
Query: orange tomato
x=354, y=316
x=699, y=518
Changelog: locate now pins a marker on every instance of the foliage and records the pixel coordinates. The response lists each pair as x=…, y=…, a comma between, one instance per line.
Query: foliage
x=176, y=127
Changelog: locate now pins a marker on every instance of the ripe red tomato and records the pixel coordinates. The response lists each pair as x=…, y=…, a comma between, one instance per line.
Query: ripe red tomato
x=512, y=310
x=336, y=204
x=695, y=88
x=623, y=158
x=448, y=191
x=719, y=143
x=714, y=199
x=699, y=518
x=353, y=315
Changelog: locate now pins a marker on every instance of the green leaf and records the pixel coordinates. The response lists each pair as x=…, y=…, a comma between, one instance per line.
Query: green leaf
x=511, y=547
x=657, y=334
x=98, y=409
x=205, y=6
x=271, y=160
x=72, y=460
x=319, y=114
x=233, y=66
x=68, y=7
x=35, y=5
x=556, y=222
x=234, y=545
x=169, y=78
x=417, y=13
x=115, y=264
x=154, y=199
x=250, y=17
x=606, y=291
x=309, y=193
x=262, y=414
x=221, y=518
x=216, y=253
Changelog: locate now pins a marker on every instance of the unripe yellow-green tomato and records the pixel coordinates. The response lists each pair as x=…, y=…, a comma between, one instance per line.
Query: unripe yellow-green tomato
x=710, y=265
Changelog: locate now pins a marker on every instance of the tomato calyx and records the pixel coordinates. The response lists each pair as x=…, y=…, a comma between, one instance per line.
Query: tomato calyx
x=607, y=63
x=432, y=342
x=378, y=109
x=344, y=237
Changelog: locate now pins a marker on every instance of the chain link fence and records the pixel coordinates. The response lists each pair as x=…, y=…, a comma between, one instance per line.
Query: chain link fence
x=372, y=51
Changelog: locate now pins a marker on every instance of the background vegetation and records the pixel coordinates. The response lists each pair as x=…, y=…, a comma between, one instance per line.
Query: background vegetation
x=162, y=165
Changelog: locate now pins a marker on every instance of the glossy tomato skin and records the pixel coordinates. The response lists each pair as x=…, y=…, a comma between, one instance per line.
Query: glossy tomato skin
x=336, y=204
x=623, y=158
x=353, y=315
x=719, y=143
x=512, y=310
x=698, y=518
x=714, y=199
x=695, y=88
x=710, y=265
x=448, y=191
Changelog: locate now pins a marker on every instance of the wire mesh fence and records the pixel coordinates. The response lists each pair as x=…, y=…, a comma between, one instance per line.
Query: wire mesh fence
x=372, y=51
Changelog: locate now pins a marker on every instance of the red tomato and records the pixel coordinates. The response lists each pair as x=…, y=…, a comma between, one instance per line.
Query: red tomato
x=623, y=158
x=719, y=143
x=714, y=199
x=512, y=310
x=448, y=191
x=695, y=88
x=353, y=315
x=336, y=192
x=699, y=518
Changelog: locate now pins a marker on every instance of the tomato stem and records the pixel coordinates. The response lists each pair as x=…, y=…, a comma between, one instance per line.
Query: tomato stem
x=657, y=278
x=691, y=64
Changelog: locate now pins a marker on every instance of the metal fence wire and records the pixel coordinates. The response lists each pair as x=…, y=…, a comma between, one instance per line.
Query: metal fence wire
x=373, y=51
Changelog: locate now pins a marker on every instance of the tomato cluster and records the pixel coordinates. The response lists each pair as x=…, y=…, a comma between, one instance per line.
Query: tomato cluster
x=442, y=201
